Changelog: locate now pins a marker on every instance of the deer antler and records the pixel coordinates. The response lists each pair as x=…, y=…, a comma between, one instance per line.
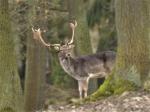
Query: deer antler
x=37, y=35
x=73, y=28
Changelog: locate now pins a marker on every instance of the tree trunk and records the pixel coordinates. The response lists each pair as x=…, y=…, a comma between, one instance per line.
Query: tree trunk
x=95, y=38
x=35, y=69
x=132, y=64
x=78, y=11
x=20, y=31
x=10, y=87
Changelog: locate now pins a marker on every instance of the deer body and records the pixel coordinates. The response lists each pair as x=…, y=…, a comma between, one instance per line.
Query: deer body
x=80, y=68
x=85, y=67
x=95, y=65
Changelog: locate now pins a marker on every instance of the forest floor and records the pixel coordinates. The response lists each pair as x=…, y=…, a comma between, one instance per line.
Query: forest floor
x=132, y=101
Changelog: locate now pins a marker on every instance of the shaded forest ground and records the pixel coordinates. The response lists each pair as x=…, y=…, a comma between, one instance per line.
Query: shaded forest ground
x=137, y=101
x=59, y=96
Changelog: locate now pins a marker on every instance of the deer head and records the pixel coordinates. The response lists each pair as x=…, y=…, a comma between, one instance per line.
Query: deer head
x=63, y=49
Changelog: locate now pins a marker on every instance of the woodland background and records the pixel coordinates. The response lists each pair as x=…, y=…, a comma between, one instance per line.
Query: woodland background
x=31, y=77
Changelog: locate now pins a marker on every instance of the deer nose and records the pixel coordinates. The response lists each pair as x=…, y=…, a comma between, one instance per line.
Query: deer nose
x=68, y=55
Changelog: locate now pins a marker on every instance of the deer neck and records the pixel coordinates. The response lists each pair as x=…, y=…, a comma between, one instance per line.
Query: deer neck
x=67, y=63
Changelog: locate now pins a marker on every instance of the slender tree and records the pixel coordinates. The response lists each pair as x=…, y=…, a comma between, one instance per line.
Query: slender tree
x=10, y=87
x=78, y=11
x=35, y=66
x=19, y=17
x=132, y=64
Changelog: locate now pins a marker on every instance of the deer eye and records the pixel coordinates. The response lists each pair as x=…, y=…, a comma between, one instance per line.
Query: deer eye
x=68, y=55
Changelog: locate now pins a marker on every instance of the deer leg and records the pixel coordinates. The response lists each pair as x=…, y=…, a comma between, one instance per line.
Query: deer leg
x=85, y=93
x=83, y=86
x=86, y=82
x=80, y=88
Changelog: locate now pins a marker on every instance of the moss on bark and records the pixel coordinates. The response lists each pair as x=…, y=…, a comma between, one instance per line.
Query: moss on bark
x=113, y=86
x=132, y=63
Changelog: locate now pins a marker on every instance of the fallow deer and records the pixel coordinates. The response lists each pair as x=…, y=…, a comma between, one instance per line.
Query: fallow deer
x=81, y=68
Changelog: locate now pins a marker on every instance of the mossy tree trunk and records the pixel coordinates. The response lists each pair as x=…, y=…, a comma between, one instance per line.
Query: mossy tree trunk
x=35, y=67
x=78, y=11
x=132, y=64
x=10, y=87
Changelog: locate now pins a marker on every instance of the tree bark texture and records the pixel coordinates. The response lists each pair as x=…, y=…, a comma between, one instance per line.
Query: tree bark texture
x=10, y=87
x=132, y=63
x=35, y=68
